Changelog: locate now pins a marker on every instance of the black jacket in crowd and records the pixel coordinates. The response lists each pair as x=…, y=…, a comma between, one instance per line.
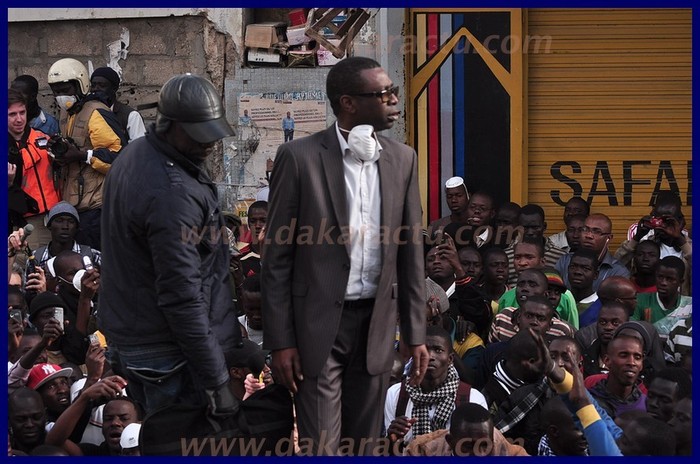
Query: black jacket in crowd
x=165, y=258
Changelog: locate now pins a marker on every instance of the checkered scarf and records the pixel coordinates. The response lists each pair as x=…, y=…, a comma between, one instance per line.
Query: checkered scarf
x=543, y=449
x=520, y=410
x=444, y=397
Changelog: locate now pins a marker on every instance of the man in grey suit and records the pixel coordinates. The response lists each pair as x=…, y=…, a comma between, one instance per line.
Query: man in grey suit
x=343, y=254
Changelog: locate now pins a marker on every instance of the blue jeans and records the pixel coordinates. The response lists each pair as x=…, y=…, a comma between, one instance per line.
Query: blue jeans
x=157, y=375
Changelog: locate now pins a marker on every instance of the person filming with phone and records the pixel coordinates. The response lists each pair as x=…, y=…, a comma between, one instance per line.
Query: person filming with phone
x=71, y=307
x=665, y=226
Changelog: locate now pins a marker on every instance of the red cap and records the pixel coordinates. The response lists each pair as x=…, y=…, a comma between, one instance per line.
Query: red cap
x=44, y=372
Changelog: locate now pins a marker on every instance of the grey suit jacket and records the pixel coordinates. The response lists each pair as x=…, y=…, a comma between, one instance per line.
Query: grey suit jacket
x=306, y=263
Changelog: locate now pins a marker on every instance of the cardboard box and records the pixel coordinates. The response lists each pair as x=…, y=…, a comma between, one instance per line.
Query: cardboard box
x=325, y=57
x=264, y=56
x=263, y=35
x=297, y=36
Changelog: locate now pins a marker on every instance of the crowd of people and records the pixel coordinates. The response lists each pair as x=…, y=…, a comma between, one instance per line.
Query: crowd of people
x=132, y=296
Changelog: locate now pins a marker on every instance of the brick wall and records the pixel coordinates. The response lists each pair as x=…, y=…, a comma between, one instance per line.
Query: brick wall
x=158, y=49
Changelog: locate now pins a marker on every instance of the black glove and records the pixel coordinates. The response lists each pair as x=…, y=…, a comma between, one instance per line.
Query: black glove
x=221, y=401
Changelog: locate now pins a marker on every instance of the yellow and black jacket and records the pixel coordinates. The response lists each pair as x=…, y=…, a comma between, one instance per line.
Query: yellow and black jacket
x=92, y=126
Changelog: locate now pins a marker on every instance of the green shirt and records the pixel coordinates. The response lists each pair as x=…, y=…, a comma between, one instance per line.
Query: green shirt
x=649, y=307
x=566, y=310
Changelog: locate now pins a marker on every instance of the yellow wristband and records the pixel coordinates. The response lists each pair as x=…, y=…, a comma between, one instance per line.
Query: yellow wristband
x=565, y=385
x=588, y=414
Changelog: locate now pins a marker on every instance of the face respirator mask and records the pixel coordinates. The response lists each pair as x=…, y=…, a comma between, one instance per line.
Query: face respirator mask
x=77, y=278
x=65, y=102
x=363, y=143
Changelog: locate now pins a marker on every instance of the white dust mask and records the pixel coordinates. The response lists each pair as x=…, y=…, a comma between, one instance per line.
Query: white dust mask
x=363, y=143
x=77, y=278
x=65, y=102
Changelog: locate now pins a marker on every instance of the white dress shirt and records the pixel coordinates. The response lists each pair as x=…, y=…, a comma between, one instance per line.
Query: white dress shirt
x=363, y=196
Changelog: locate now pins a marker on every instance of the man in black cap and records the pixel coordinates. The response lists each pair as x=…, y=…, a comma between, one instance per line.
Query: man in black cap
x=243, y=360
x=165, y=240
x=107, y=80
x=71, y=345
x=653, y=348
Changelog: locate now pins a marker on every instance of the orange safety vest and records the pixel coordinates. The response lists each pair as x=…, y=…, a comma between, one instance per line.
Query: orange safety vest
x=37, y=173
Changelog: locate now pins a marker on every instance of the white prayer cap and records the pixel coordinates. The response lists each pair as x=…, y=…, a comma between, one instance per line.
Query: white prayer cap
x=453, y=182
x=456, y=181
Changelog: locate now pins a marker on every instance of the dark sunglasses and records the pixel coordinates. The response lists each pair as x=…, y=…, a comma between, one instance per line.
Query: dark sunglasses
x=385, y=94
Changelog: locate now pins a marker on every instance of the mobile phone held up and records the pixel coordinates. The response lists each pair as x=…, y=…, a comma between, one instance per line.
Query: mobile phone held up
x=58, y=315
x=16, y=314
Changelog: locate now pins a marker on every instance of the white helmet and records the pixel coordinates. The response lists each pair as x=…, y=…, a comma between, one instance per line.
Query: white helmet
x=69, y=69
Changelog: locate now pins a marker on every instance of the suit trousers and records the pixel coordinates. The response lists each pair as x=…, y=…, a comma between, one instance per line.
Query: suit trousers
x=344, y=404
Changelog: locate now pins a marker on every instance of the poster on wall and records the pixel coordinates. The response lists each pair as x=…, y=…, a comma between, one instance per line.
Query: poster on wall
x=266, y=120
x=268, y=110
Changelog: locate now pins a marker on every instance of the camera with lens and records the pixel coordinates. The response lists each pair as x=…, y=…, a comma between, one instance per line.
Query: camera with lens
x=59, y=145
x=656, y=222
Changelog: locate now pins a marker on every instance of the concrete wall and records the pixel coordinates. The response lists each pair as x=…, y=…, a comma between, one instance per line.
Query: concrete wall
x=156, y=49
x=227, y=20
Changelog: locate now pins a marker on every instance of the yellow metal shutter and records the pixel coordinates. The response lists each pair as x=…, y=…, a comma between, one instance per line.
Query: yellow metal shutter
x=609, y=109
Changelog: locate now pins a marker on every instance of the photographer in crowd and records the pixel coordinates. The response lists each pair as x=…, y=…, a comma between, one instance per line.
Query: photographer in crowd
x=92, y=138
x=30, y=176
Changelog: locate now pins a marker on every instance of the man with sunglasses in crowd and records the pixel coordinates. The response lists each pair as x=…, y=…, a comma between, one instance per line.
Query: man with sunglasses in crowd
x=331, y=301
x=597, y=234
